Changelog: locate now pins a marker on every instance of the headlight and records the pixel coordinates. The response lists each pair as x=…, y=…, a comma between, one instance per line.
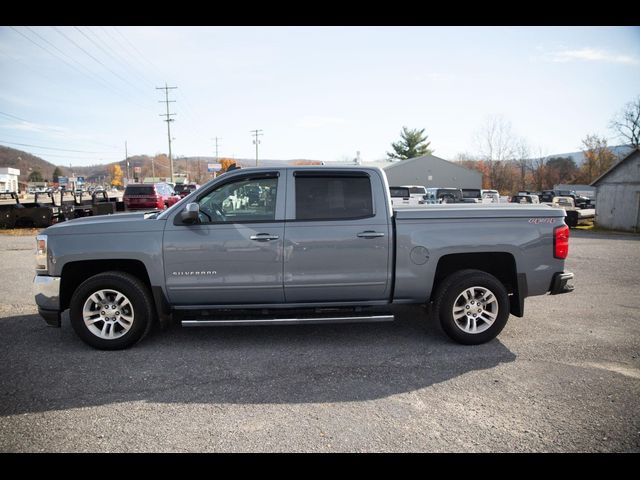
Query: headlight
x=41, y=253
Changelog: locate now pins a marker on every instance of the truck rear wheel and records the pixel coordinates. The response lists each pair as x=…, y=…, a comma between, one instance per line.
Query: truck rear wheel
x=472, y=306
x=111, y=310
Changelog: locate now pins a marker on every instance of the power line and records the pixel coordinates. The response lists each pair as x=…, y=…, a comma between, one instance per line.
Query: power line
x=96, y=60
x=49, y=148
x=40, y=73
x=124, y=48
x=122, y=78
x=189, y=110
x=13, y=116
x=58, y=134
x=88, y=75
x=144, y=59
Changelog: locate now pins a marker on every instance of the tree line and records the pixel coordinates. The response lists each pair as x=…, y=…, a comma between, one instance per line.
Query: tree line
x=508, y=163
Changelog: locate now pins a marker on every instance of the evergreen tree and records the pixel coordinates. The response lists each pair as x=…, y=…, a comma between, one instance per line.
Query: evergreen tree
x=413, y=143
x=35, y=176
x=56, y=173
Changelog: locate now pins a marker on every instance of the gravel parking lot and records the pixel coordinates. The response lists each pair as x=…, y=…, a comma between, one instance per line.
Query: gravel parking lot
x=566, y=377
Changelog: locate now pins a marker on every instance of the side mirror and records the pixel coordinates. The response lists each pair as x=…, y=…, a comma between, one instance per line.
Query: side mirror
x=190, y=214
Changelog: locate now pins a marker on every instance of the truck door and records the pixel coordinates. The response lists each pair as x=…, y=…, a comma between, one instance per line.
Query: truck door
x=234, y=254
x=337, y=238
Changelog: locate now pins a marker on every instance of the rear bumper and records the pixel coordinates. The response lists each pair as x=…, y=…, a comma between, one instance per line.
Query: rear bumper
x=46, y=291
x=560, y=283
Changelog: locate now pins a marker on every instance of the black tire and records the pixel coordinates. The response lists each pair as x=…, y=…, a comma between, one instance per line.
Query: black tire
x=450, y=290
x=140, y=301
x=572, y=219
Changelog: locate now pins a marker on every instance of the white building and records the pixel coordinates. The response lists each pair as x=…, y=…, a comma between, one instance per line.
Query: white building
x=9, y=179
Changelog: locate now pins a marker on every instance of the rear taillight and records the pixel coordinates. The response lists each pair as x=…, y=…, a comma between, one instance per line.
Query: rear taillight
x=561, y=242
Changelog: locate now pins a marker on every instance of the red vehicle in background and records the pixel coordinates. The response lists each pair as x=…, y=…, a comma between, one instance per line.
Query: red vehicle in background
x=149, y=196
x=184, y=189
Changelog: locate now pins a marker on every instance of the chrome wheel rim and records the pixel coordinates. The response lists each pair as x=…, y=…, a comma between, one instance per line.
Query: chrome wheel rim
x=475, y=310
x=108, y=314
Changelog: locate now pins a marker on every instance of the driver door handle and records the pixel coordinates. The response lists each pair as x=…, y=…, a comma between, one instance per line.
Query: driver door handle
x=264, y=237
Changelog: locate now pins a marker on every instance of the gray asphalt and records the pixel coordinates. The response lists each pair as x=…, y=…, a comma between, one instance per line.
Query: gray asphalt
x=565, y=378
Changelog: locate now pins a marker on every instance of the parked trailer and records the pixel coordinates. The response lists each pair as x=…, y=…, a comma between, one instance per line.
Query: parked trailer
x=38, y=214
x=33, y=214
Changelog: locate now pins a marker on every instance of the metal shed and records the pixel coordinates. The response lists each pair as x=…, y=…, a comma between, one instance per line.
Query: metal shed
x=618, y=195
x=432, y=171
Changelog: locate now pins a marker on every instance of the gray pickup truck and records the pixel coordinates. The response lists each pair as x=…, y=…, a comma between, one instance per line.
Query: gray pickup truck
x=298, y=245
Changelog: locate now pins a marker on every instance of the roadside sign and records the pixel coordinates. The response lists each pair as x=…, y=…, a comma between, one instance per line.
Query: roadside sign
x=137, y=169
x=63, y=180
x=214, y=167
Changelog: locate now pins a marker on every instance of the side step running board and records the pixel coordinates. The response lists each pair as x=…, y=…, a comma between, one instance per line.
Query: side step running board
x=286, y=321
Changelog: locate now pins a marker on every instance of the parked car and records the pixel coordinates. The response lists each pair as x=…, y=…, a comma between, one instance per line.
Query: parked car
x=490, y=196
x=149, y=196
x=322, y=245
x=525, y=198
x=575, y=215
x=472, y=195
x=402, y=196
x=444, y=195
x=417, y=193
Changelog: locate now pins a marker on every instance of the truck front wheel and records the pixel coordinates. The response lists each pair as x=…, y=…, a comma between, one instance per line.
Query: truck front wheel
x=111, y=310
x=472, y=306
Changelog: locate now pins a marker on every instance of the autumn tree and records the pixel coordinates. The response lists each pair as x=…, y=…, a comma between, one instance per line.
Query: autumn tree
x=627, y=123
x=598, y=158
x=116, y=175
x=559, y=170
x=413, y=143
x=226, y=163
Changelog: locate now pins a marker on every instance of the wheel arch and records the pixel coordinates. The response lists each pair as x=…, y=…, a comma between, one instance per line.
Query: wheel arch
x=74, y=273
x=501, y=265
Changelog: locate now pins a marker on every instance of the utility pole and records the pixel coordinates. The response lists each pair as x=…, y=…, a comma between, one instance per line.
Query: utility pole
x=168, y=120
x=216, y=139
x=126, y=154
x=256, y=142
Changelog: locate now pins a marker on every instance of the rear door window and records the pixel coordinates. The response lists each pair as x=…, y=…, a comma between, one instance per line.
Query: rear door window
x=329, y=197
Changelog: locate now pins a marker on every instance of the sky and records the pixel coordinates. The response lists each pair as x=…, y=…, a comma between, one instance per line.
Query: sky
x=74, y=95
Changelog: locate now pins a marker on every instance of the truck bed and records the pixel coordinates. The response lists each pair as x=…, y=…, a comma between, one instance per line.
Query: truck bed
x=477, y=210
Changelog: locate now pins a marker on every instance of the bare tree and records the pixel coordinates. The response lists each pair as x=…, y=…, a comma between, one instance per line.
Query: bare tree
x=522, y=160
x=537, y=165
x=627, y=123
x=497, y=146
x=598, y=158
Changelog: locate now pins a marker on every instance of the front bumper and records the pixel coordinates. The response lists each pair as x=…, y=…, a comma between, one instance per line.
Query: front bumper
x=560, y=283
x=46, y=290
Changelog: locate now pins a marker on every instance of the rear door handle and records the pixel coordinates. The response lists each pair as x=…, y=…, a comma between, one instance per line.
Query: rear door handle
x=370, y=234
x=264, y=237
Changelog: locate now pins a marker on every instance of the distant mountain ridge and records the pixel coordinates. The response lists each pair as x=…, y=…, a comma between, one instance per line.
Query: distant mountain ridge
x=157, y=166
x=619, y=151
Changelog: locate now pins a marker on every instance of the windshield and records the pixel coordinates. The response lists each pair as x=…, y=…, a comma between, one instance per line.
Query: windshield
x=449, y=192
x=140, y=190
x=419, y=190
x=399, y=192
x=471, y=193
